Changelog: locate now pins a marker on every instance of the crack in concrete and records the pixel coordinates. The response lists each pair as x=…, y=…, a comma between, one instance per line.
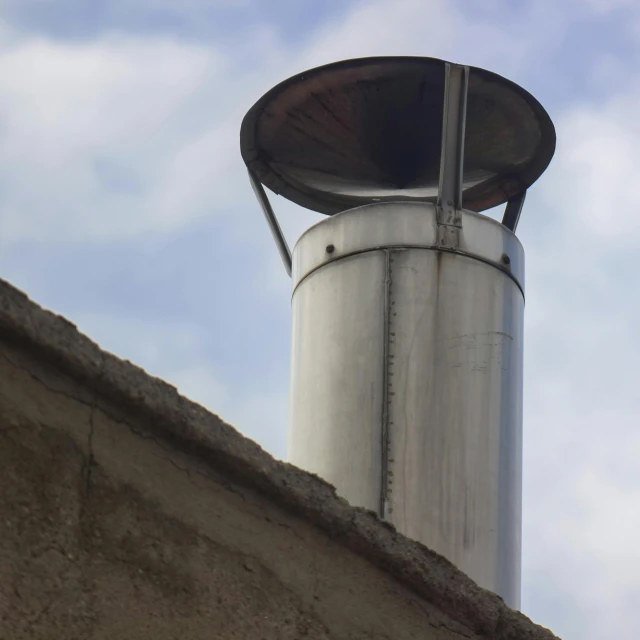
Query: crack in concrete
x=93, y=406
x=40, y=381
x=173, y=463
x=295, y=533
x=316, y=580
x=92, y=413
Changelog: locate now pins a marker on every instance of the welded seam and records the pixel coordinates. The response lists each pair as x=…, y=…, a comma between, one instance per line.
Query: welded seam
x=457, y=252
x=384, y=432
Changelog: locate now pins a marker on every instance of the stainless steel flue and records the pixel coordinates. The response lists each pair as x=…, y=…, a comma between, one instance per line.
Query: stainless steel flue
x=406, y=366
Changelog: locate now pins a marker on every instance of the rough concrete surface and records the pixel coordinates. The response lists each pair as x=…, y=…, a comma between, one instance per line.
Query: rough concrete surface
x=128, y=512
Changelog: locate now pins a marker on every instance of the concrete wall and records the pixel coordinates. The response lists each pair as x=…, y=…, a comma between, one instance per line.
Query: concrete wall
x=127, y=512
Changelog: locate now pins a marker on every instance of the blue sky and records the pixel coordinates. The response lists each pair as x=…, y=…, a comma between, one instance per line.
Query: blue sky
x=124, y=205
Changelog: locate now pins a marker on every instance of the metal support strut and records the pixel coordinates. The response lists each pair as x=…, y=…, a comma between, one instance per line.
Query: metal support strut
x=513, y=210
x=272, y=221
x=454, y=117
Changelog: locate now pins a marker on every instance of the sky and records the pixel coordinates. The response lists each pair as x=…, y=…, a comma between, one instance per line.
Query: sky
x=124, y=205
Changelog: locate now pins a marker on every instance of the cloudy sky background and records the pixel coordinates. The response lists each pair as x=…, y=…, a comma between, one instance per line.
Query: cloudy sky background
x=124, y=205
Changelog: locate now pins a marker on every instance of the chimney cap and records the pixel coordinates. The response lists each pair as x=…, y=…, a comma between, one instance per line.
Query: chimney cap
x=370, y=130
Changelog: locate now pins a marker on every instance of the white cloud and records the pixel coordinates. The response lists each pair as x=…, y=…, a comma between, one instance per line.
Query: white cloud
x=73, y=112
x=415, y=27
x=596, y=168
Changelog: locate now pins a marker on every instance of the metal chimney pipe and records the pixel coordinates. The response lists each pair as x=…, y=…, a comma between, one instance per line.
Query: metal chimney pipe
x=406, y=378
x=406, y=363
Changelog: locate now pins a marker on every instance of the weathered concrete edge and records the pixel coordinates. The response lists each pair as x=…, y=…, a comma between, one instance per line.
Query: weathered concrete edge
x=192, y=429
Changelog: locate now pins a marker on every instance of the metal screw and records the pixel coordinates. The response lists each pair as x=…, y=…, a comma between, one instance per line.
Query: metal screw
x=506, y=259
x=330, y=248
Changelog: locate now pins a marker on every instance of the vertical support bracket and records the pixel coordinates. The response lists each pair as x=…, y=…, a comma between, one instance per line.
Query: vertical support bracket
x=513, y=210
x=454, y=115
x=272, y=221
